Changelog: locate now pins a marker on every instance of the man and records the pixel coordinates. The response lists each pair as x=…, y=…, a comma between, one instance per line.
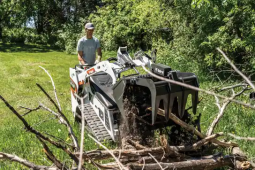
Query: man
x=87, y=47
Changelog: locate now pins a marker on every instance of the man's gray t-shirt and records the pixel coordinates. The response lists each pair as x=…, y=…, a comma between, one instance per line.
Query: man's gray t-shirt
x=88, y=47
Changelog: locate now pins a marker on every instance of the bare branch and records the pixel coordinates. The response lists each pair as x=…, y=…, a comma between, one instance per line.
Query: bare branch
x=242, y=138
x=221, y=111
x=55, y=91
x=157, y=162
x=195, y=131
x=104, y=154
x=211, y=162
x=205, y=140
x=63, y=121
x=39, y=123
x=136, y=144
x=116, y=159
x=50, y=155
x=30, y=129
x=24, y=162
x=62, y=118
x=236, y=69
x=30, y=110
x=82, y=132
x=232, y=87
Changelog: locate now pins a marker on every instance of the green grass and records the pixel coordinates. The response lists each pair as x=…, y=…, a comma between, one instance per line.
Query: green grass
x=19, y=68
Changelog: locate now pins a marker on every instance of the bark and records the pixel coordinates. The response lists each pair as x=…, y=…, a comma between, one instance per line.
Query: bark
x=199, y=164
x=1, y=32
x=171, y=151
x=24, y=162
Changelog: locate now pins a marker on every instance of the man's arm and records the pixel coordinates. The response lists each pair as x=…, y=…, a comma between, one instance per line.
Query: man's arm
x=80, y=54
x=99, y=54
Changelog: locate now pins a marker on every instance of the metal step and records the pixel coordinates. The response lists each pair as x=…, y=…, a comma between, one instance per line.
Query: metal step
x=93, y=124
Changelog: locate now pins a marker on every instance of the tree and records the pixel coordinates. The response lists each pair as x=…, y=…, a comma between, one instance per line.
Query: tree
x=131, y=23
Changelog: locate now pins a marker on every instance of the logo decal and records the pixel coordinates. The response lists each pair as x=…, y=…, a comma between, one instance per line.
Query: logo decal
x=159, y=71
x=91, y=71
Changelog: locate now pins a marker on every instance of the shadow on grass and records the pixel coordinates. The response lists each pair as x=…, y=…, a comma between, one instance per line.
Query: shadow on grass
x=7, y=47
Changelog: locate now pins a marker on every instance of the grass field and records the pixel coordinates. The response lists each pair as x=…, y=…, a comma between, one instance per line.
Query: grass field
x=19, y=73
x=19, y=68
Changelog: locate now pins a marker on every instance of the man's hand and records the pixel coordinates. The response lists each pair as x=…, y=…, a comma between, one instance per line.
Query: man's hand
x=80, y=54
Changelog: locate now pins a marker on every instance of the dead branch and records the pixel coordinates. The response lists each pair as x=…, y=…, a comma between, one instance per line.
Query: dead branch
x=121, y=166
x=205, y=140
x=54, y=88
x=238, y=152
x=24, y=162
x=37, y=133
x=30, y=110
x=82, y=133
x=149, y=159
x=196, y=132
x=82, y=137
x=136, y=144
x=236, y=69
x=51, y=156
x=156, y=161
x=222, y=109
x=241, y=138
x=232, y=87
x=198, y=164
x=62, y=117
x=63, y=121
x=103, y=154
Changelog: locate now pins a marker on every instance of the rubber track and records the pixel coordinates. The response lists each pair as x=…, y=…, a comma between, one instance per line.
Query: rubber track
x=94, y=124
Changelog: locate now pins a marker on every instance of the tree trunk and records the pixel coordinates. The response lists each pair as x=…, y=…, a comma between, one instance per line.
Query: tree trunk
x=1, y=32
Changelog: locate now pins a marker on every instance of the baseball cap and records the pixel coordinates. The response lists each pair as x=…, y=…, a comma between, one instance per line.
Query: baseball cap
x=89, y=26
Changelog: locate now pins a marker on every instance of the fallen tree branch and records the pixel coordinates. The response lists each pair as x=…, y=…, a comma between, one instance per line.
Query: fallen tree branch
x=231, y=87
x=121, y=166
x=157, y=162
x=199, y=164
x=103, y=154
x=24, y=162
x=136, y=144
x=221, y=110
x=30, y=110
x=241, y=138
x=32, y=130
x=63, y=121
x=82, y=133
x=236, y=69
x=54, y=88
x=205, y=140
x=50, y=155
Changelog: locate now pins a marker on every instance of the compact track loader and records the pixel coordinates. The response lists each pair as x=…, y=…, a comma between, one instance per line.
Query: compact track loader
x=101, y=93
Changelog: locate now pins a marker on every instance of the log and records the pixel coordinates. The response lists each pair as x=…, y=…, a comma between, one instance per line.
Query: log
x=102, y=154
x=136, y=144
x=199, y=164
